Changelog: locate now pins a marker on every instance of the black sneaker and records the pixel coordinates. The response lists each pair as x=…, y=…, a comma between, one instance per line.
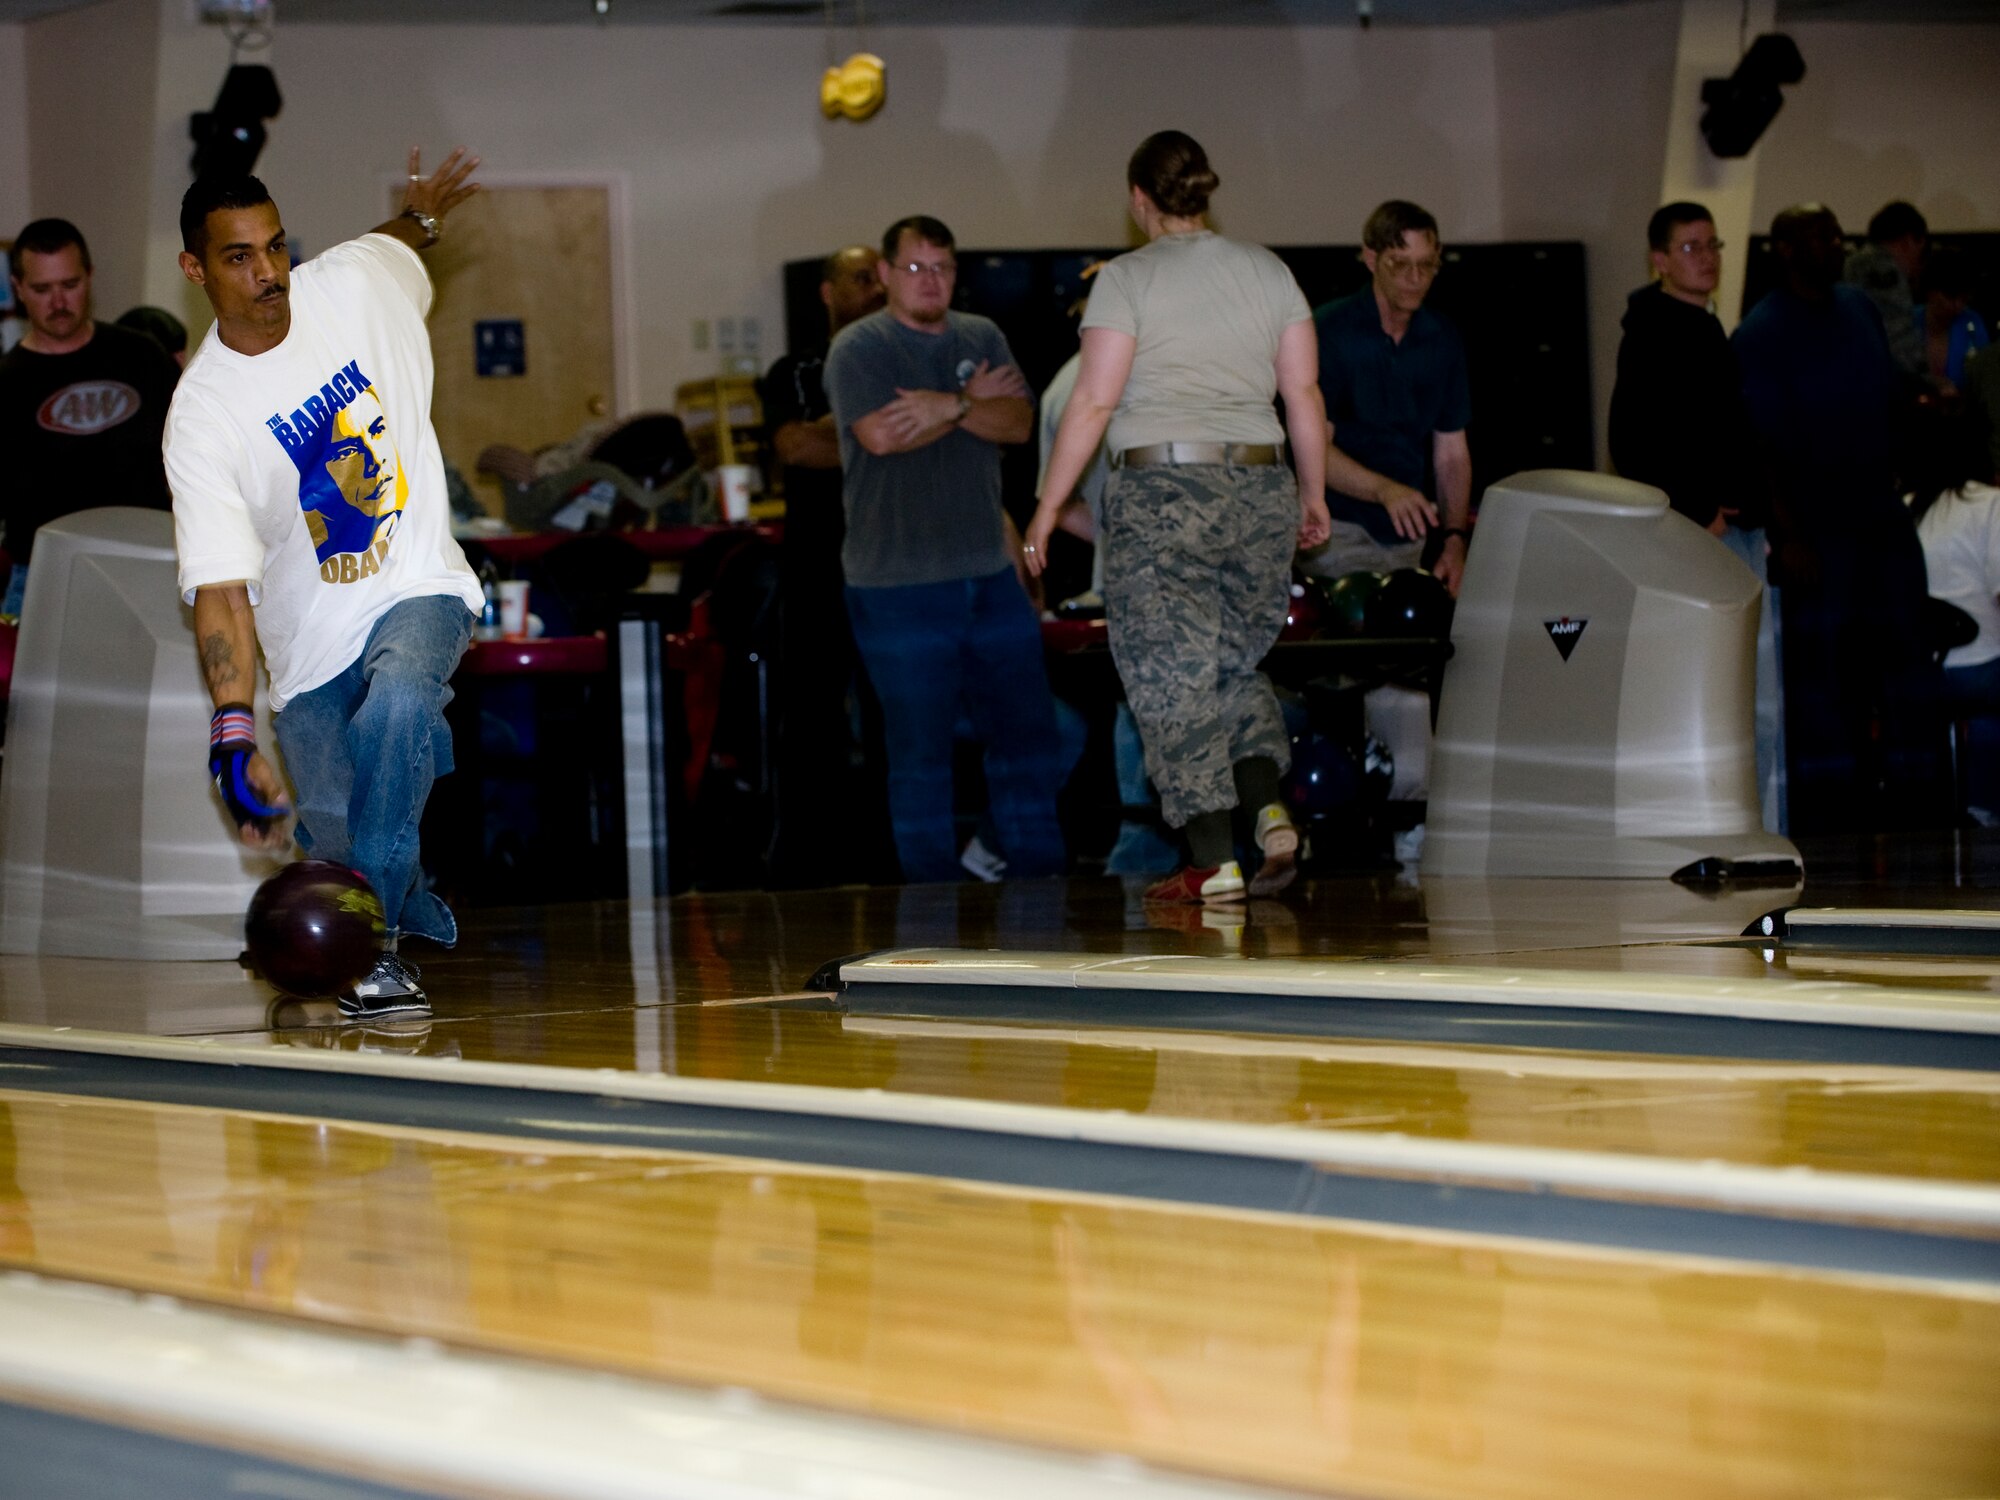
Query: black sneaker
x=390, y=989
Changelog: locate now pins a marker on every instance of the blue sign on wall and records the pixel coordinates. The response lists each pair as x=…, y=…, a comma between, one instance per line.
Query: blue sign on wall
x=499, y=347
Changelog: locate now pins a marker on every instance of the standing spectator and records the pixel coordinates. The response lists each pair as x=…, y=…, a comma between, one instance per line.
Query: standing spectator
x=1678, y=422
x=923, y=399
x=1140, y=848
x=1397, y=401
x=1887, y=269
x=82, y=403
x=1860, y=696
x=1186, y=342
x=1953, y=330
x=1958, y=520
x=816, y=660
x=162, y=327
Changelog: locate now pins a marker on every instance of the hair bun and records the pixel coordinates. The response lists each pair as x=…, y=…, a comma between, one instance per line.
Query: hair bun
x=1171, y=169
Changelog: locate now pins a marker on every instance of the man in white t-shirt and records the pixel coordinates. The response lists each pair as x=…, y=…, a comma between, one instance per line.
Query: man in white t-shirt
x=311, y=519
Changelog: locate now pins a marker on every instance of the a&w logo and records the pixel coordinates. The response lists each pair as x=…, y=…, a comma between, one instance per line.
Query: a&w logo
x=88, y=406
x=1565, y=633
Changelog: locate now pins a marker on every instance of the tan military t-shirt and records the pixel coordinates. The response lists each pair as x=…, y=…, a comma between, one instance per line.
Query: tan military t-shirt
x=1207, y=313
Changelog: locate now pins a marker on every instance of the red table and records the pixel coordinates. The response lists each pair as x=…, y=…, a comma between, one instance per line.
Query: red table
x=562, y=655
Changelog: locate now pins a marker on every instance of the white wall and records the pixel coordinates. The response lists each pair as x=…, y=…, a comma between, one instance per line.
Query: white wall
x=1015, y=137
x=1889, y=112
x=14, y=196
x=188, y=66
x=1584, y=103
x=90, y=115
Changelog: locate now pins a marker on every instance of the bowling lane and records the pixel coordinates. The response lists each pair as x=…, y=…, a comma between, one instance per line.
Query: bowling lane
x=1904, y=1122
x=1316, y=1354
x=698, y=947
x=587, y=956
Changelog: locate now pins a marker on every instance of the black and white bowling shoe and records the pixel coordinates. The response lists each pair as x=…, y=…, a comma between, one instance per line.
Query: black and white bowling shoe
x=390, y=989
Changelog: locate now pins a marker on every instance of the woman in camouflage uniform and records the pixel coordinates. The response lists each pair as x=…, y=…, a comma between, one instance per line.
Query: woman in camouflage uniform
x=1185, y=343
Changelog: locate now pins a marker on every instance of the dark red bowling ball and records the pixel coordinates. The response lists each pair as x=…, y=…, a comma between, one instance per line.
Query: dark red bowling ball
x=1302, y=615
x=314, y=928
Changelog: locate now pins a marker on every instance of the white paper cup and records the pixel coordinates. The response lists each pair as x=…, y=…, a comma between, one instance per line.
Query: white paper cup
x=732, y=487
x=513, y=609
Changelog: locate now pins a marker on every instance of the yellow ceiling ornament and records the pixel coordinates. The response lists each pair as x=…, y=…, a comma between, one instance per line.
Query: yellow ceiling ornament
x=855, y=89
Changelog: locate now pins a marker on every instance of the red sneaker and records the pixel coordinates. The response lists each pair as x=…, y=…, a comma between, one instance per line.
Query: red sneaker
x=1194, y=885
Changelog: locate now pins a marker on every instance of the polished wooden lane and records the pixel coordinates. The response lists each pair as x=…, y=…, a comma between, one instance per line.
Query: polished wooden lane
x=1904, y=1122
x=1324, y=1356
x=592, y=956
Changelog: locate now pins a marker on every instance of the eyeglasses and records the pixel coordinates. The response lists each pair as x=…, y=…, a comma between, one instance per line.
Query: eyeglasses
x=1402, y=265
x=1698, y=247
x=944, y=270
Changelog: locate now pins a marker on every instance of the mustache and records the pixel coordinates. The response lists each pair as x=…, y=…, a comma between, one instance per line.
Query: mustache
x=272, y=293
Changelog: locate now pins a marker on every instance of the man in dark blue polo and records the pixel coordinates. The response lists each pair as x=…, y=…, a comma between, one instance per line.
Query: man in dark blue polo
x=1862, y=724
x=1397, y=405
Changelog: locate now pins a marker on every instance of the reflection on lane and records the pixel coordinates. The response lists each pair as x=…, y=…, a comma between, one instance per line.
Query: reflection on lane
x=1292, y=1351
x=1905, y=1122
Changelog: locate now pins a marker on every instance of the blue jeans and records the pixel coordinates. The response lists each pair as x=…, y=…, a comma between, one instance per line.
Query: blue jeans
x=17, y=592
x=1141, y=848
x=364, y=748
x=930, y=648
x=1770, y=719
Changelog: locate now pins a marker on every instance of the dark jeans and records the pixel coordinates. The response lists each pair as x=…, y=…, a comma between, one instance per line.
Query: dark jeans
x=815, y=805
x=363, y=750
x=1973, y=694
x=1863, y=729
x=928, y=648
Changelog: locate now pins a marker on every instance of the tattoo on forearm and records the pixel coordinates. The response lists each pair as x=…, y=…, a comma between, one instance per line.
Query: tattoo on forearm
x=218, y=661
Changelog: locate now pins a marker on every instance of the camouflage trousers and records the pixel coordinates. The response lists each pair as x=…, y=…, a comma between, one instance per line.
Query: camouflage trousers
x=1196, y=586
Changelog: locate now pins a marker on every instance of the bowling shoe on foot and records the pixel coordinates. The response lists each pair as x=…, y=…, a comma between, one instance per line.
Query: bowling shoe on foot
x=1193, y=885
x=390, y=989
x=1278, y=837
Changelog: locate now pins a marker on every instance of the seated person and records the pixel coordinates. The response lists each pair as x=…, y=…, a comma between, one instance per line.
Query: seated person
x=1958, y=521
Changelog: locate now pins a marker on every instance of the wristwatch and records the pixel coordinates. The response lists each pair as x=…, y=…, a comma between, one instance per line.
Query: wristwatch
x=430, y=223
x=964, y=406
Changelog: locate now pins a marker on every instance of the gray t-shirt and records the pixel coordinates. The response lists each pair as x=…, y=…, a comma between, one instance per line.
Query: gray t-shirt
x=1207, y=313
x=933, y=514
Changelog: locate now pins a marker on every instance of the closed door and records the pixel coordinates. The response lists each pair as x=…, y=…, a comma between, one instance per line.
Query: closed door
x=539, y=257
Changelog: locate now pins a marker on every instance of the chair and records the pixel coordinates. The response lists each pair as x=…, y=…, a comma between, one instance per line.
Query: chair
x=1947, y=627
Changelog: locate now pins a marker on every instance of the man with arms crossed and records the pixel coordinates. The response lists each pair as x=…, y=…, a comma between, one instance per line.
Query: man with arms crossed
x=1393, y=373
x=923, y=397
x=311, y=519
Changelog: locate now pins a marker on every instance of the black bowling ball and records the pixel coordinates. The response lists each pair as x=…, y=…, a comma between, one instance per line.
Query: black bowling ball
x=1344, y=601
x=1324, y=776
x=1410, y=604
